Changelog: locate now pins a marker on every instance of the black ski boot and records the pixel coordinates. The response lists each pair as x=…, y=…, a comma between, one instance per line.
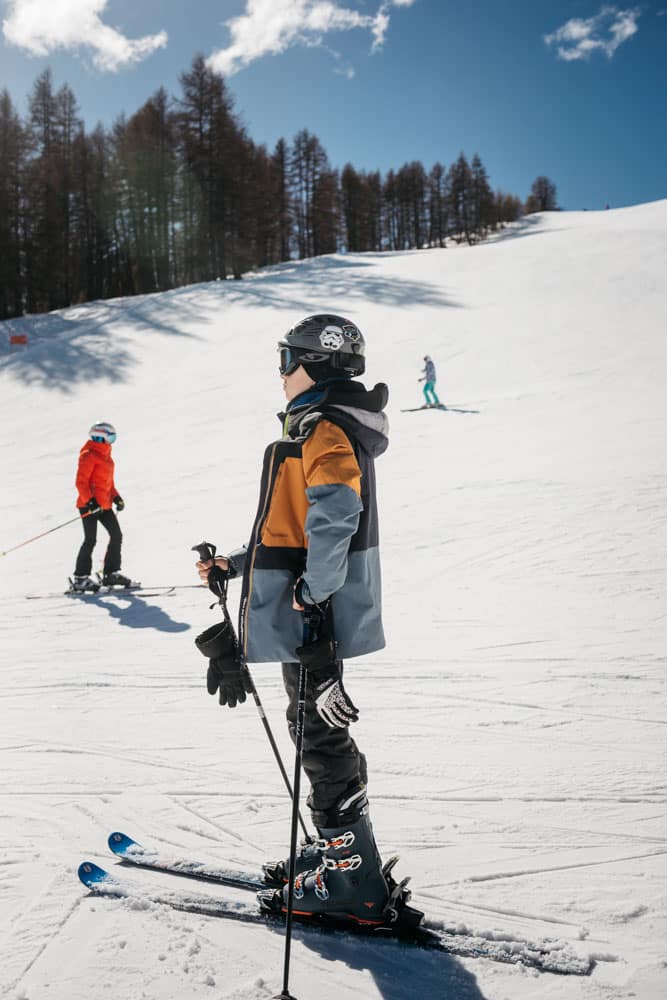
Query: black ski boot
x=348, y=884
x=82, y=585
x=117, y=579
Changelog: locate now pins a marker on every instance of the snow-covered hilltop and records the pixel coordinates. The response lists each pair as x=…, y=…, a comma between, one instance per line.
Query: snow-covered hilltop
x=515, y=723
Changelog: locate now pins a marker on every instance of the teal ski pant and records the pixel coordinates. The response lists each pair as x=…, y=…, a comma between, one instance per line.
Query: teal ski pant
x=430, y=394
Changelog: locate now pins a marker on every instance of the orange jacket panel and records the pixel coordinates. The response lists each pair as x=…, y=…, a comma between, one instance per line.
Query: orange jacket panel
x=327, y=458
x=286, y=518
x=94, y=476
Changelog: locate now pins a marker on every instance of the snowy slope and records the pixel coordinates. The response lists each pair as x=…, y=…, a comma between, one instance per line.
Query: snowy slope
x=515, y=723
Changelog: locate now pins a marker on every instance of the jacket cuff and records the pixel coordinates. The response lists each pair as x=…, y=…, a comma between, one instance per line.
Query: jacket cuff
x=236, y=560
x=304, y=594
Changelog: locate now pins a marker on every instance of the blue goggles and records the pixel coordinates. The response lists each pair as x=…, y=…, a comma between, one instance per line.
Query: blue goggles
x=109, y=439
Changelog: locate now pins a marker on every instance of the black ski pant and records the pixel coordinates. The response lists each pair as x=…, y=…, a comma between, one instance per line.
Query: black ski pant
x=84, y=561
x=331, y=759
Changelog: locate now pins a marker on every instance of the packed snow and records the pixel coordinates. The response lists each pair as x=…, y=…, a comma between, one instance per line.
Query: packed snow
x=515, y=722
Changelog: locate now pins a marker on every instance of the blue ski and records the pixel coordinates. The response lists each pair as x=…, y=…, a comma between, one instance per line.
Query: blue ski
x=130, y=852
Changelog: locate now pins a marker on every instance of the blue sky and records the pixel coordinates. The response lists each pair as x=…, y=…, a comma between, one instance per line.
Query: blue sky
x=574, y=89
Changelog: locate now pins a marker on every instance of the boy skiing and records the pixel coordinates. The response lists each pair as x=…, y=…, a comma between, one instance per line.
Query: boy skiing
x=428, y=377
x=314, y=546
x=96, y=493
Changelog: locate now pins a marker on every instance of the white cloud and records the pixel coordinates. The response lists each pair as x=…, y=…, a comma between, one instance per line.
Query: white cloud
x=579, y=38
x=269, y=27
x=42, y=26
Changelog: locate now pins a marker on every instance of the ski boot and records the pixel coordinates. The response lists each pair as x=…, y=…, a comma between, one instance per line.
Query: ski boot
x=309, y=851
x=116, y=579
x=348, y=885
x=82, y=585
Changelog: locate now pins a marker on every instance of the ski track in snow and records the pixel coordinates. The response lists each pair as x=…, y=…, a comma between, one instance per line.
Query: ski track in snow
x=514, y=725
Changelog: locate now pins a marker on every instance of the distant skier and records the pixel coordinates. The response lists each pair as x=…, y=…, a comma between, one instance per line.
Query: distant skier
x=428, y=377
x=315, y=545
x=96, y=493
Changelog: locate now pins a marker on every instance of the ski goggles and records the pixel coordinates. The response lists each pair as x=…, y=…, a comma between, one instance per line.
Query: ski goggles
x=289, y=361
x=291, y=358
x=107, y=439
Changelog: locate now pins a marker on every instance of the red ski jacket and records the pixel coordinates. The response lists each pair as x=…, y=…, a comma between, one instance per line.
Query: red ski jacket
x=94, y=476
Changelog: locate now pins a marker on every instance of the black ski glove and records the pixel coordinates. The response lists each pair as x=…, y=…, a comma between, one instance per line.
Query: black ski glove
x=118, y=502
x=225, y=672
x=92, y=507
x=231, y=678
x=331, y=699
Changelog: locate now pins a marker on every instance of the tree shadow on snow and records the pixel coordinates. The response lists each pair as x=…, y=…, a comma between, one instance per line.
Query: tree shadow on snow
x=398, y=971
x=529, y=225
x=90, y=342
x=133, y=612
x=94, y=341
x=339, y=278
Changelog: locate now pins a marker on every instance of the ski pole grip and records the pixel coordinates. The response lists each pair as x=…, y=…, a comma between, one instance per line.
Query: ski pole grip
x=206, y=551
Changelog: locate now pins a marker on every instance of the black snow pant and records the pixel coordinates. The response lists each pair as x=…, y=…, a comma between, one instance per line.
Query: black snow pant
x=331, y=758
x=84, y=561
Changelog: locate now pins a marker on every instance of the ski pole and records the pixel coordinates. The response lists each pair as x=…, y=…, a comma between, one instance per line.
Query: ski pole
x=309, y=618
x=218, y=581
x=79, y=517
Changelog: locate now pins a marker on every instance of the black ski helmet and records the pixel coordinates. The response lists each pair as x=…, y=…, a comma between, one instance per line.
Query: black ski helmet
x=327, y=345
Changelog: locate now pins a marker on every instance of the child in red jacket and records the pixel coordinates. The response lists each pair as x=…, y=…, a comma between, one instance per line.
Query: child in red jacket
x=97, y=492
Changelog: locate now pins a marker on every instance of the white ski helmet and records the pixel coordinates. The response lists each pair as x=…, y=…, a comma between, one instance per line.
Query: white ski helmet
x=102, y=431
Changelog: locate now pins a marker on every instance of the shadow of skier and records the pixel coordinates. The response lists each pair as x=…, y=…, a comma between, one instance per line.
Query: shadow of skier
x=134, y=612
x=398, y=971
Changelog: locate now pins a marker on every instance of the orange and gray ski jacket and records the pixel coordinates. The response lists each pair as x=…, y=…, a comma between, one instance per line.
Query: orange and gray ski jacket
x=95, y=475
x=317, y=519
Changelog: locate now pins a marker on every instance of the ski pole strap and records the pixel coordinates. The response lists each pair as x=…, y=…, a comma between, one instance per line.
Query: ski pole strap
x=317, y=620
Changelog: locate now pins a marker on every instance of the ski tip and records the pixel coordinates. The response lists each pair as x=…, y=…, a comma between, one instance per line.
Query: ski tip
x=120, y=843
x=92, y=875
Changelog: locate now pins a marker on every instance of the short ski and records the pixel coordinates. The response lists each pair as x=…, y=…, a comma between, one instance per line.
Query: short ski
x=130, y=852
x=434, y=406
x=447, y=409
x=101, y=883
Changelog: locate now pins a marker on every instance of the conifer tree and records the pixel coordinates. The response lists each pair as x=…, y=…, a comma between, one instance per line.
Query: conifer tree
x=312, y=194
x=280, y=192
x=13, y=149
x=460, y=186
x=207, y=126
x=542, y=197
x=482, y=217
x=438, y=206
